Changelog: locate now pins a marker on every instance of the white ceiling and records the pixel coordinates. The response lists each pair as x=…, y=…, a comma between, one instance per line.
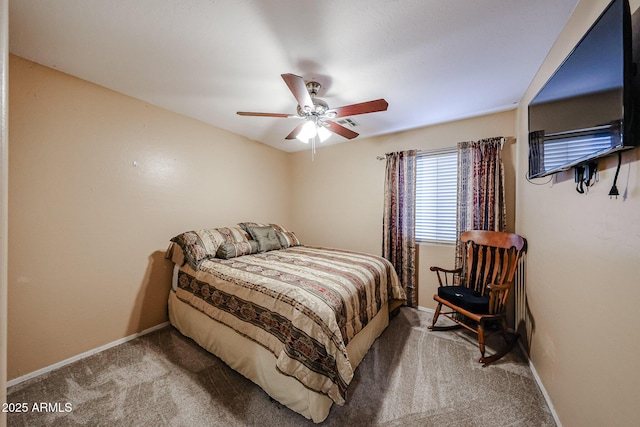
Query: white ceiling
x=433, y=60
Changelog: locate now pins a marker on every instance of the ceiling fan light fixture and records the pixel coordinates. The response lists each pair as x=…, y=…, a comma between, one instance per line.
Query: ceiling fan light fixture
x=323, y=133
x=307, y=132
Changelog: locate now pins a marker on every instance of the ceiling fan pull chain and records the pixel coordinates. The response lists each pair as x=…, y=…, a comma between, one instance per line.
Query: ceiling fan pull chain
x=313, y=147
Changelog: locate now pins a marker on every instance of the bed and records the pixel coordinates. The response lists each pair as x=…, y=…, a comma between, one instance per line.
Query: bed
x=296, y=320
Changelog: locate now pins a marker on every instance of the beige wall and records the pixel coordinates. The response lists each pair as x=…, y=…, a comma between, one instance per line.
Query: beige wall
x=338, y=197
x=88, y=228
x=582, y=273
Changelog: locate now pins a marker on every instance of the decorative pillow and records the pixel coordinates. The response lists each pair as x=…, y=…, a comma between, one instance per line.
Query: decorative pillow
x=232, y=250
x=286, y=237
x=201, y=245
x=247, y=225
x=197, y=246
x=266, y=237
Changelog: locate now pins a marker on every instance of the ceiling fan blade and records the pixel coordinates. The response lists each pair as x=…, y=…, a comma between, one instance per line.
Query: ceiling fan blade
x=340, y=130
x=361, y=108
x=295, y=132
x=298, y=88
x=249, y=113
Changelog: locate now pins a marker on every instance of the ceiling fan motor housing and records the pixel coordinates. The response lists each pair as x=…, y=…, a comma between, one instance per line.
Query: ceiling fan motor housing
x=320, y=107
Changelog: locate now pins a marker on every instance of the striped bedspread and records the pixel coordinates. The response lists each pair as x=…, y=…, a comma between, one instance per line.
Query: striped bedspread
x=302, y=303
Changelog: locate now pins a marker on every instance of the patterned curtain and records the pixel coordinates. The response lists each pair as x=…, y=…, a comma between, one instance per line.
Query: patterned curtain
x=481, y=204
x=398, y=236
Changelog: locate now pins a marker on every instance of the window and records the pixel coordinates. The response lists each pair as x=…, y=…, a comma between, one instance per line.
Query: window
x=436, y=195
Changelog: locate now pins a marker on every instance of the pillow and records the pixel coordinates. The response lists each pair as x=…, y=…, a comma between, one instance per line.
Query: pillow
x=285, y=237
x=197, y=246
x=232, y=234
x=247, y=225
x=266, y=237
x=232, y=250
x=201, y=245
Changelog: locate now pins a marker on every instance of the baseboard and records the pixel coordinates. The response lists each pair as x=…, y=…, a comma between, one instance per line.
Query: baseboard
x=547, y=398
x=65, y=362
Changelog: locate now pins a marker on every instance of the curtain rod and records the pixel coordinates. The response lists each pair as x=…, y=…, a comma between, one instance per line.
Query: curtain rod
x=502, y=141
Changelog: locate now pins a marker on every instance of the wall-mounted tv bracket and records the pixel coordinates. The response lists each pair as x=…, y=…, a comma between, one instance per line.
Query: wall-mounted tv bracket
x=585, y=176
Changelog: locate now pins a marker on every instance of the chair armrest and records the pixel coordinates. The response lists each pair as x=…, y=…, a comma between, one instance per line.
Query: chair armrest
x=498, y=297
x=446, y=273
x=455, y=270
x=494, y=287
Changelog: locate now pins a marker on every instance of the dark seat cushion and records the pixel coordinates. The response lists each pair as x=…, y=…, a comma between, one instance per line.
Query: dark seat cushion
x=465, y=298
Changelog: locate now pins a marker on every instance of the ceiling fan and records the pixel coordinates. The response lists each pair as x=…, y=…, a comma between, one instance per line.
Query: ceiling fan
x=316, y=113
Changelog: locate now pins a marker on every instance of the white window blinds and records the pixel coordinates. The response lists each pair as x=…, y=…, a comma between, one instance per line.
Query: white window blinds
x=568, y=151
x=436, y=196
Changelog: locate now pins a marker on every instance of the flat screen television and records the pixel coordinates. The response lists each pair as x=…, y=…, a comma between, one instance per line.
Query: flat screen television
x=587, y=109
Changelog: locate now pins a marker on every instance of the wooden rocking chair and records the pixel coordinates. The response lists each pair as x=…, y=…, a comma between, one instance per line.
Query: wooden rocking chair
x=476, y=293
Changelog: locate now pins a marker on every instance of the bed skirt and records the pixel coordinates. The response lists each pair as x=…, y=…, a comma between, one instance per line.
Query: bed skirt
x=258, y=364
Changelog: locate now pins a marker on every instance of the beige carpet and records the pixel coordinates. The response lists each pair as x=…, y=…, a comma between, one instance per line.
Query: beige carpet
x=410, y=377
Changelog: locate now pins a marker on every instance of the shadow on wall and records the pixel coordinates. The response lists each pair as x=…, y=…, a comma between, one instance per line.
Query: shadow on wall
x=525, y=329
x=150, y=308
